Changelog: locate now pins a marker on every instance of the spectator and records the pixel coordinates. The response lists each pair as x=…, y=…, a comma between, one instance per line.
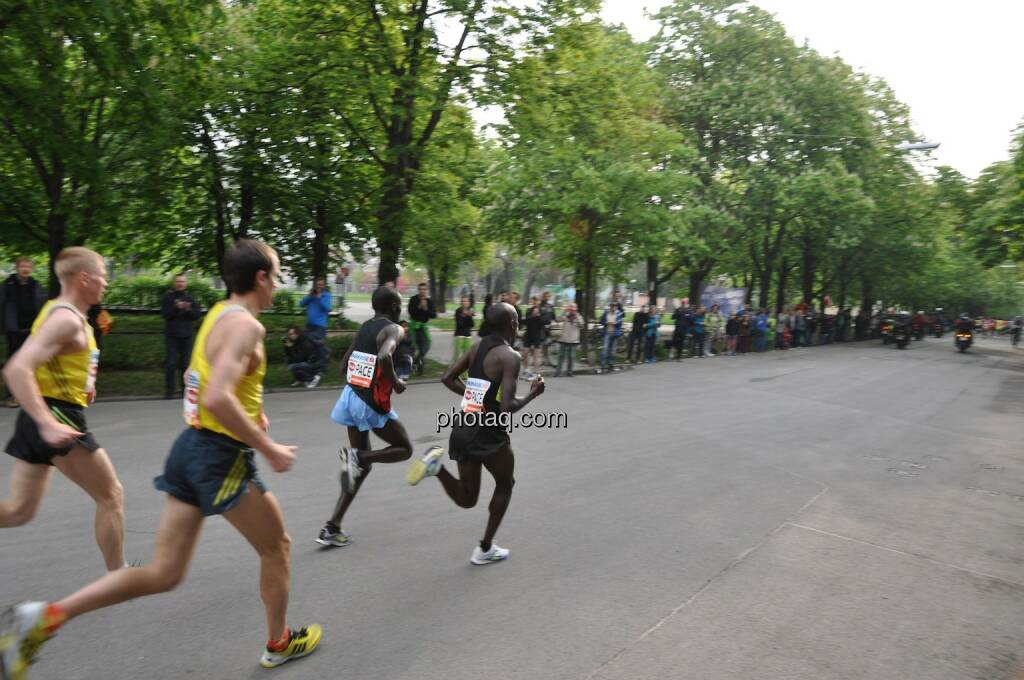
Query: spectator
x=318, y=307
x=798, y=323
x=404, y=353
x=21, y=298
x=484, y=330
x=652, y=331
x=713, y=328
x=421, y=311
x=568, y=338
x=810, y=326
x=302, y=357
x=697, y=331
x=760, y=330
x=732, y=332
x=827, y=328
x=533, y=339
x=463, y=327
x=681, y=318
x=180, y=312
x=746, y=327
x=637, y=334
x=611, y=331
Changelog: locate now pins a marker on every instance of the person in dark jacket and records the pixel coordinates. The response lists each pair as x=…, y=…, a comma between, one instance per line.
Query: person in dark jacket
x=421, y=310
x=21, y=298
x=180, y=312
x=637, y=335
x=681, y=317
x=485, y=328
x=301, y=356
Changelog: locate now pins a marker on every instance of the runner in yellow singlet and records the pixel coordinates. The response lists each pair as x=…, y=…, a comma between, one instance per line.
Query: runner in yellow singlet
x=210, y=471
x=53, y=377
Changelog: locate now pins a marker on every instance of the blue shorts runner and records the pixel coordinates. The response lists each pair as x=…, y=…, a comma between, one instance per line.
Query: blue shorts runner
x=209, y=470
x=351, y=411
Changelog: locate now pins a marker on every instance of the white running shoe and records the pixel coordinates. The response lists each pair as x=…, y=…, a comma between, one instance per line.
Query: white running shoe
x=495, y=554
x=22, y=632
x=427, y=466
x=314, y=382
x=350, y=470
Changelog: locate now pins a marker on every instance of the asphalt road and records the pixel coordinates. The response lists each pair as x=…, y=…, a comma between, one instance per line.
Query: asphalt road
x=844, y=512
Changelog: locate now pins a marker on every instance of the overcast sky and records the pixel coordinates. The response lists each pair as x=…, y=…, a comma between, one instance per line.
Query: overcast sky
x=958, y=64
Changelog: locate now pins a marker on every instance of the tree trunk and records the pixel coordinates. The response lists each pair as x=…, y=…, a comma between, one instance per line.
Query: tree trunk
x=392, y=209
x=765, y=285
x=432, y=286
x=867, y=296
x=320, y=245
x=807, y=271
x=530, y=278
x=780, y=293
x=442, y=285
x=652, y=281
x=56, y=229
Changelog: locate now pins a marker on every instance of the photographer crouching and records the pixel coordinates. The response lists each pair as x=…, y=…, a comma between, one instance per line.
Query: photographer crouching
x=303, y=358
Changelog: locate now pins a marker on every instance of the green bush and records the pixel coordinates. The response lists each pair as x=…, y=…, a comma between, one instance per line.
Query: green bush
x=148, y=291
x=285, y=302
x=131, y=351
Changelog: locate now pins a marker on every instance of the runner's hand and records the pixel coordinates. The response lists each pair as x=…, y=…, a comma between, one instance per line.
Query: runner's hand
x=281, y=457
x=400, y=386
x=59, y=435
x=537, y=386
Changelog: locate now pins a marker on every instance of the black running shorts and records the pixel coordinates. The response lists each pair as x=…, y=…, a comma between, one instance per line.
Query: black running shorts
x=208, y=470
x=26, y=444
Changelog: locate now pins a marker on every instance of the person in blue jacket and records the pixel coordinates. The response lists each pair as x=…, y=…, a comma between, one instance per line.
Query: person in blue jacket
x=318, y=306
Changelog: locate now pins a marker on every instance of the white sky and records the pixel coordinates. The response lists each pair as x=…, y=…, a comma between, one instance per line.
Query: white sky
x=958, y=64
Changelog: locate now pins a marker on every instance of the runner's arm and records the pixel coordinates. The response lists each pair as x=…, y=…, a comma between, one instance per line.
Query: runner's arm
x=20, y=372
x=387, y=343
x=453, y=376
x=509, y=379
x=237, y=338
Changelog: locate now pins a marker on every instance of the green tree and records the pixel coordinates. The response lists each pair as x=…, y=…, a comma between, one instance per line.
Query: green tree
x=85, y=90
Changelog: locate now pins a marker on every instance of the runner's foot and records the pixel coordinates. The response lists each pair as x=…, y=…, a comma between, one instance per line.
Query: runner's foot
x=427, y=466
x=495, y=554
x=301, y=643
x=23, y=630
x=332, y=538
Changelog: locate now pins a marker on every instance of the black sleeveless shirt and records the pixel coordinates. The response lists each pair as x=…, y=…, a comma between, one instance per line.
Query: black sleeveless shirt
x=476, y=370
x=378, y=395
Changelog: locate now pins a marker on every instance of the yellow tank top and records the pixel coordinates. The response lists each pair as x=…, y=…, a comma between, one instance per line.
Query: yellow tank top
x=68, y=377
x=249, y=389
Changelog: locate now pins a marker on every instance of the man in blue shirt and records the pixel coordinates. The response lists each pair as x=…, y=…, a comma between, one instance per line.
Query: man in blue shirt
x=318, y=305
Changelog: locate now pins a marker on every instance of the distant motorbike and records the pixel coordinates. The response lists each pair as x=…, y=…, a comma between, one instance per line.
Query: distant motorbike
x=901, y=334
x=938, y=329
x=964, y=340
x=886, y=331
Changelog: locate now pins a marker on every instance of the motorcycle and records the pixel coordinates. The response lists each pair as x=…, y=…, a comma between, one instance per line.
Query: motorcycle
x=963, y=340
x=938, y=329
x=901, y=335
x=886, y=331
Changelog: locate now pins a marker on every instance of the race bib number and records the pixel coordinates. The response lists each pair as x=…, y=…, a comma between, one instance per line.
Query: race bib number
x=190, y=405
x=473, y=398
x=94, y=367
x=360, y=368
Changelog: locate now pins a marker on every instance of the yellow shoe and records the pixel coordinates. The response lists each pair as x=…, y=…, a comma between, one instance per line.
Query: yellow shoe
x=302, y=642
x=427, y=466
x=23, y=630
